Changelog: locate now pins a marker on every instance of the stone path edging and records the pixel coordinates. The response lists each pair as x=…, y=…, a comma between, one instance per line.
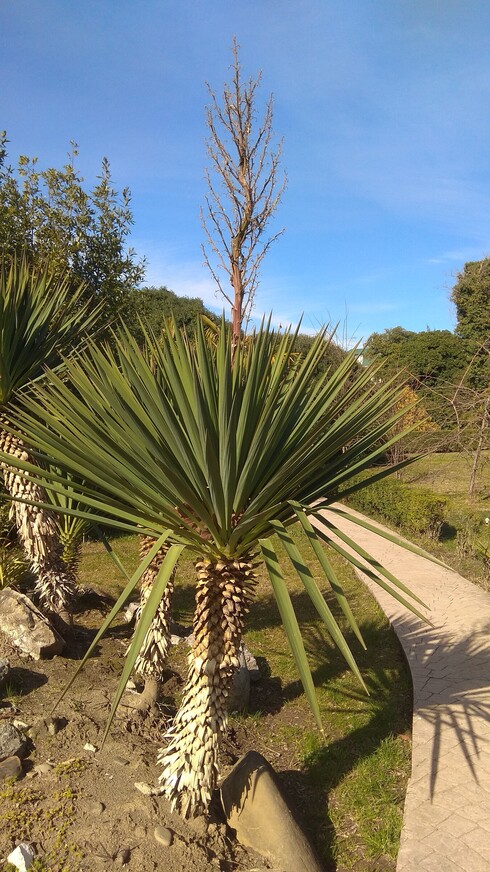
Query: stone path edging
x=446, y=824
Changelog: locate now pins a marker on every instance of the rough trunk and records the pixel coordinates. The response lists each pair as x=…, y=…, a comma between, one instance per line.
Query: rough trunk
x=190, y=760
x=152, y=657
x=38, y=534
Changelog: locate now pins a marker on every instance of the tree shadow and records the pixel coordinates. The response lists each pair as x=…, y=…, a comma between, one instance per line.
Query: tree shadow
x=308, y=791
x=451, y=694
x=22, y=682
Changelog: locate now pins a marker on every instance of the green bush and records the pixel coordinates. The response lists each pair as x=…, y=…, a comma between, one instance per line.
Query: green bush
x=415, y=510
x=468, y=526
x=472, y=533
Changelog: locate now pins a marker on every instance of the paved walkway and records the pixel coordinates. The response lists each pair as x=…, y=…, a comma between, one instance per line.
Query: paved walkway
x=446, y=826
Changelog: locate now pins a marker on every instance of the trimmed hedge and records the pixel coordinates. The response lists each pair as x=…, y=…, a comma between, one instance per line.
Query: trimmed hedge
x=415, y=510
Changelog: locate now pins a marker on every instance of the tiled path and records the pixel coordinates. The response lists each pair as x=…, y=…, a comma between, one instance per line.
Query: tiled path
x=446, y=825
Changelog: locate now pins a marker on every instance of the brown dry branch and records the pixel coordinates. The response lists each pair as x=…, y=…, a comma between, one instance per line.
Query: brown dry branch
x=247, y=192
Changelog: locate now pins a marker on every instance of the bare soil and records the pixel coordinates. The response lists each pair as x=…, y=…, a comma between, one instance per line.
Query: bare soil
x=85, y=813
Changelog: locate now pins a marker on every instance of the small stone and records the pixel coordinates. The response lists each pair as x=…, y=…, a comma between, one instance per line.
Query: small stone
x=46, y=727
x=43, y=768
x=176, y=640
x=21, y=725
x=145, y=788
x=94, y=807
x=251, y=664
x=12, y=741
x=121, y=761
x=163, y=836
x=89, y=747
x=122, y=857
x=22, y=856
x=10, y=768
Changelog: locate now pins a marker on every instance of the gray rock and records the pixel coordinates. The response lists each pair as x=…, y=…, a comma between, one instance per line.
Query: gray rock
x=120, y=761
x=22, y=856
x=251, y=663
x=176, y=640
x=4, y=671
x=12, y=741
x=256, y=809
x=26, y=627
x=10, y=768
x=163, y=836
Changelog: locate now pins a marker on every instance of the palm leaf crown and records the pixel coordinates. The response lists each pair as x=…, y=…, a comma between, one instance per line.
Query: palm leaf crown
x=42, y=314
x=180, y=437
x=215, y=452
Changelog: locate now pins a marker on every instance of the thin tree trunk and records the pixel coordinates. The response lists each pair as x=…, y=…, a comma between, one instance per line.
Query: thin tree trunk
x=38, y=533
x=478, y=449
x=190, y=760
x=150, y=663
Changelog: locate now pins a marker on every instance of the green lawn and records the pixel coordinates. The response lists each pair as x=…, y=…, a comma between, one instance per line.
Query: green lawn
x=449, y=474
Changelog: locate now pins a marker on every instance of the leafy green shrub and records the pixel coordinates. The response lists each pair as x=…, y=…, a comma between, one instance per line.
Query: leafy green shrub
x=413, y=509
x=12, y=565
x=473, y=538
x=470, y=529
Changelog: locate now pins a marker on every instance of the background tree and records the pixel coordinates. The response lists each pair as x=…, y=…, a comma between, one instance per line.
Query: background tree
x=245, y=195
x=430, y=363
x=471, y=296
x=427, y=358
x=48, y=215
x=414, y=417
x=470, y=406
x=153, y=306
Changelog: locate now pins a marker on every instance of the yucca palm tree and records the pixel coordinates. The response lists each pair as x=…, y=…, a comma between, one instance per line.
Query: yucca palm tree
x=215, y=456
x=41, y=316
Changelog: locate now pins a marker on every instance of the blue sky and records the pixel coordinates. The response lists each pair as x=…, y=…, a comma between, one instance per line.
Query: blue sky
x=383, y=106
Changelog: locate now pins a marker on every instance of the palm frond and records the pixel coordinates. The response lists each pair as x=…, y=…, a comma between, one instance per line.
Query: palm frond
x=41, y=315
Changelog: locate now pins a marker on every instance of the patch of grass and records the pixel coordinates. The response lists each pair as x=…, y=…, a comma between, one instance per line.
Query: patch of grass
x=27, y=814
x=366, y=808
x=449, y=473
x=11, y=694
x=98, y=570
